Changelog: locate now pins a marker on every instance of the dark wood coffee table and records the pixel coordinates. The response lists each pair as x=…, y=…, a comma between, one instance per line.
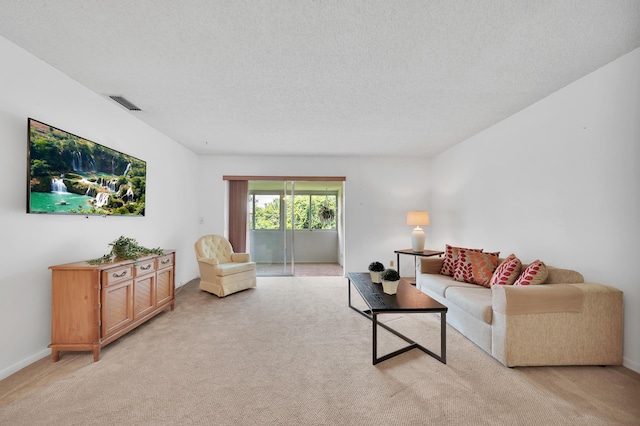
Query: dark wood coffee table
x=407, y=300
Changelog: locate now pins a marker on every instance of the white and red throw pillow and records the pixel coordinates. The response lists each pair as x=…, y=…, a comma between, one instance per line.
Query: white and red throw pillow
x=475, y=267
x=533, y=274
x=507, y=272
x=450, y=256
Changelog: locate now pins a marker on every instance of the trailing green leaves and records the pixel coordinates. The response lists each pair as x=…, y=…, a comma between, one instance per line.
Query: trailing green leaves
x=125, y=248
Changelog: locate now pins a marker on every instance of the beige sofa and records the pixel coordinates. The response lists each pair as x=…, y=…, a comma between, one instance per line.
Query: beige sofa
x=564, y=321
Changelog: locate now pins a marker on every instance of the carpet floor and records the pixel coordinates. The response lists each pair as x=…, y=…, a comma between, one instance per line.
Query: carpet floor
x=291, y=352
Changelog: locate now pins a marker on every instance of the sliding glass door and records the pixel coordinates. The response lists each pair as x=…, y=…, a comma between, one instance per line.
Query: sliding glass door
x=271, y=233
x=294, y=225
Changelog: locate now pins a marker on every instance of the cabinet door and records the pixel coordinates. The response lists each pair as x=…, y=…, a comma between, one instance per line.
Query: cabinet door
x=144, y=296
x=164, y=286
x=75, y=307
x=117, y=307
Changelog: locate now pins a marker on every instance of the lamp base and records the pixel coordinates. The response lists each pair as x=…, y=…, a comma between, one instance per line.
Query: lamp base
x=417, y=240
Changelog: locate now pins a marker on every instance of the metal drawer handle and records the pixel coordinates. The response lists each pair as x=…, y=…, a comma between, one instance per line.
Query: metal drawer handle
x=165, y=261
x=114, y=275
x=144, y=268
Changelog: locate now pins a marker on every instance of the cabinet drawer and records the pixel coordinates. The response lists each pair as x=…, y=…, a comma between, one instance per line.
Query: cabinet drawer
x=165, y=261
x=116, y=275
x=145, y=267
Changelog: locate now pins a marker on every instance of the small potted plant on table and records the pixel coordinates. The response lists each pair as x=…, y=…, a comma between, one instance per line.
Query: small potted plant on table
x=390, y=279
x=375, y=268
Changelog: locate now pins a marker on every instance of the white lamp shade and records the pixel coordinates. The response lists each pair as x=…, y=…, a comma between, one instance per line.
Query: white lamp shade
x=418, y=218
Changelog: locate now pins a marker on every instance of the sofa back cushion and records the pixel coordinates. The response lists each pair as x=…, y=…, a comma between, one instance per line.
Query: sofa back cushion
x=563, y=276
x=431, y=265
x=560, y=275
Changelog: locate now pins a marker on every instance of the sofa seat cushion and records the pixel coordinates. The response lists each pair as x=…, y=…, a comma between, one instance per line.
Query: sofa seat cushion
x=438, y=284
x=230, y=268
x=474, y=300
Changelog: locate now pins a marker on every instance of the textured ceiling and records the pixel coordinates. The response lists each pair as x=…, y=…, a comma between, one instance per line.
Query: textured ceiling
x=324, y=77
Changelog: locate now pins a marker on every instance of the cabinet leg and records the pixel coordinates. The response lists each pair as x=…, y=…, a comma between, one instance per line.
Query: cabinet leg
x=96, y=354
x=55, y=355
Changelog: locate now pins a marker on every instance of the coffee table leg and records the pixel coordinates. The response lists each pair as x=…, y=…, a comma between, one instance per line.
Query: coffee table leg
x=443, y=337
x=374, y=321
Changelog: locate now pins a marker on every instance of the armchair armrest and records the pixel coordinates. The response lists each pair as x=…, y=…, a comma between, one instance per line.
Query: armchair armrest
x=209, y=261
x=241, y=257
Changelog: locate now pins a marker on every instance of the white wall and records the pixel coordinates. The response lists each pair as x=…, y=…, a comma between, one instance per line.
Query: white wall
x=31, y=243
x=558, y=181
x=378, y=194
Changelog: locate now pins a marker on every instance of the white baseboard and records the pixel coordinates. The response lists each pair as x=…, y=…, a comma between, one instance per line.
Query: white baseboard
x=24, y=363
x=631, y=365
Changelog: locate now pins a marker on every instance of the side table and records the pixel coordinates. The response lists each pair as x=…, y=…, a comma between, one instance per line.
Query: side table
x=410, y=252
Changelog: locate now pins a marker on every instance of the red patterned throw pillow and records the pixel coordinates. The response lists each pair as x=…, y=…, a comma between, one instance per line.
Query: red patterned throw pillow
x=508, y=271
x=450, y=256
x=534, y=274
x=475, y=267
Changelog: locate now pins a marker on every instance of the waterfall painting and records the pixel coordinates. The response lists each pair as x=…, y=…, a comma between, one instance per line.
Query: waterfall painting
x=68, y=174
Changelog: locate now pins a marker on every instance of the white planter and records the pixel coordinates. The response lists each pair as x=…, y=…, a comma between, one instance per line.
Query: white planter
x=375, y=277
x=390, y=287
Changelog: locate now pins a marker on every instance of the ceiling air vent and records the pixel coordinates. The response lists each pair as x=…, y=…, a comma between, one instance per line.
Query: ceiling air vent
x=125, y=103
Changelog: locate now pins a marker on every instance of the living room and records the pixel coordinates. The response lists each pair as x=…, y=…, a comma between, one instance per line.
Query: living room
x=557, y=180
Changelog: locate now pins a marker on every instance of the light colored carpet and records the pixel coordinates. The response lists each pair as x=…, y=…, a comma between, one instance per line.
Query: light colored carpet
x=290, y=352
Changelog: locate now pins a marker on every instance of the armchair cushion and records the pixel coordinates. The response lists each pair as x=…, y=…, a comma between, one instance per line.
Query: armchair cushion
x=231, y=268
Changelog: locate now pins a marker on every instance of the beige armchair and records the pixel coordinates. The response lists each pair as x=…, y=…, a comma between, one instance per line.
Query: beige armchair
x=223, y=272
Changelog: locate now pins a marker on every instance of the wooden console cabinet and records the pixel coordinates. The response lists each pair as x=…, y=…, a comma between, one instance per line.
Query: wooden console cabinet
x=93, y=305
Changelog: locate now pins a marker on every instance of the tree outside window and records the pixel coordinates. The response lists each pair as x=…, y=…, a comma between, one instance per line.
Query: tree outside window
x=266, y=211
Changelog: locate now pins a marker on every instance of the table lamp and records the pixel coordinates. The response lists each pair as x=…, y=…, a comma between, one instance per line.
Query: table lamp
x=418, y=219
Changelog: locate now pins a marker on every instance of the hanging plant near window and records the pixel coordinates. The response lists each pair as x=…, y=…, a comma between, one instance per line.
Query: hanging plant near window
x=326, y=213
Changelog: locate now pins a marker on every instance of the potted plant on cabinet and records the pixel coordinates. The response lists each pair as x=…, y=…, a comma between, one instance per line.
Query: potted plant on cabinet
x=125, y=248
x=390, y=279
x=375, y=268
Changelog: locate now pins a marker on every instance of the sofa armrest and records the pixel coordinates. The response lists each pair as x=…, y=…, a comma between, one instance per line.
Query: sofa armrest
x=589, y=336
x=536, y=299
x=431, y=265
x=240, y=257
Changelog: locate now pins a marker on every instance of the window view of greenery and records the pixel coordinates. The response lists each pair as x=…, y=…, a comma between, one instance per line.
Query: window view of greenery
x=265, y=213
x=311, y=211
